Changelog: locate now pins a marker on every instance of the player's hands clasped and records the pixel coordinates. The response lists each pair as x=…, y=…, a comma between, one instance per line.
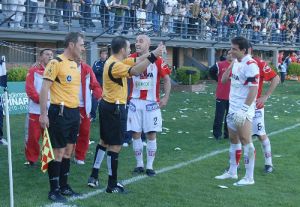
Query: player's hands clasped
x=240, y=116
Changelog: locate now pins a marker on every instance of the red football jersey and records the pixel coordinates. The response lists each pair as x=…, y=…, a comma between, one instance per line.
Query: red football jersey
x=266, y=73
x=146, y=86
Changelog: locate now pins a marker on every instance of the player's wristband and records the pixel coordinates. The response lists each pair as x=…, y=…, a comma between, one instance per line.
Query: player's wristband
x=245, y=107
x=152, y=58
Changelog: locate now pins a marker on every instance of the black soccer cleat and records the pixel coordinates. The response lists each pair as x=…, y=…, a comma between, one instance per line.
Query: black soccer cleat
x=93, y=182
x=150, y=172
x=138, y=170
x=119, y=188
x=56, y=197
x=269, y=169
x=68, y=191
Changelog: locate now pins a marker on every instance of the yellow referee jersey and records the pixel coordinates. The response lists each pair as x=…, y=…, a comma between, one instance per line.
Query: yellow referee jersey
x=115, y=75
x=66, y=81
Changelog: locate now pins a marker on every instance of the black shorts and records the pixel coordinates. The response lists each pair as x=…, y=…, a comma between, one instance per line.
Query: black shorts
x=63, y=129
x=113, y=120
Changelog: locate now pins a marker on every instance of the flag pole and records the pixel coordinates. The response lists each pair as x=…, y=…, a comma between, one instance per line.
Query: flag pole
x=11, y=190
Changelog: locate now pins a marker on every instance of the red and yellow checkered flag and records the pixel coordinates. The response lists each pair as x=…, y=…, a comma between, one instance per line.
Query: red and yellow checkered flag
x=47, y=152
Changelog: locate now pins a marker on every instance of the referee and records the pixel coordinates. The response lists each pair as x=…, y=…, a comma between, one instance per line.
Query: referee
x=63, y=79
x=112, y=106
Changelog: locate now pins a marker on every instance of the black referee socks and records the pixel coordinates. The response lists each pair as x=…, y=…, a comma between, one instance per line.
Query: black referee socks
x=112, y=165
x=53, y=173
x=64, y=172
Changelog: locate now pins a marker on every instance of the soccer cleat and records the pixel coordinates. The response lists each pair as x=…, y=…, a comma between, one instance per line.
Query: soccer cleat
x=56, y=197
x=3, y=142
x=119, y=188
x=268, y=169
x=30, y=164
x=79, y=162
x=93, y=182
x=244, y=181
x=226, y=175
x=68, y=191
x=150, y=172
x=125, y=144
x=138, y=170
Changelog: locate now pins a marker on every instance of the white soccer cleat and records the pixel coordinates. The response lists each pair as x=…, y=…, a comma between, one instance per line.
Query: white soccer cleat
x=226, y=175
x=79, y=162
x=244, y=181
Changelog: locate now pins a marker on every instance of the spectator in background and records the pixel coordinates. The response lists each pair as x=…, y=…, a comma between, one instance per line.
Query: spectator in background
x=18, y=7
x=30, y=14
x=222, y=98
x=76, y=9
x=65, y=6
x=239, y=21
x=39, y=21
x=50, y=11
x=86, y=8
x=98, y=71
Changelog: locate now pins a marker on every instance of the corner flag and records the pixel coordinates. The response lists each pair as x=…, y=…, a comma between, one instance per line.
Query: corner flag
x=3, y=77
x=47, y=152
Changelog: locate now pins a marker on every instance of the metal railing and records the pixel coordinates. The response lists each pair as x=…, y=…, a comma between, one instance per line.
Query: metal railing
x=68, y=16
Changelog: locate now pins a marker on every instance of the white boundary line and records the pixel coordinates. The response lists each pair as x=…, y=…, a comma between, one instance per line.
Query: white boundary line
x=163, y=170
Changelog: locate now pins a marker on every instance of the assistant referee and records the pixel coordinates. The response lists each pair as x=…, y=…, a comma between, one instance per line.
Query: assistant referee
x=63, y=79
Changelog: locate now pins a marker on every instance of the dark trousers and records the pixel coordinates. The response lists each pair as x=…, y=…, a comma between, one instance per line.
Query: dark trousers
x=30, y=14
x=1, y=120
x=94, y=107
x=282, y=76
x=221, y=112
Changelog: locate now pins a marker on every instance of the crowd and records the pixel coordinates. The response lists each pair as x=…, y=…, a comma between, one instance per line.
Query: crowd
x=261, y=21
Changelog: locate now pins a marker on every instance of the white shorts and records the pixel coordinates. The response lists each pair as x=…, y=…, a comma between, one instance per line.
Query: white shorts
x=144, y=116
x=258, y=124
x=230, y=122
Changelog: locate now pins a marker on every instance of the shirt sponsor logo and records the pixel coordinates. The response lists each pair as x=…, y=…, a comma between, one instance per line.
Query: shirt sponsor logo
x=152, y=107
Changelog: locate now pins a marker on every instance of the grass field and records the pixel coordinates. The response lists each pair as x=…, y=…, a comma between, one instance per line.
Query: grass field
x=189, y=118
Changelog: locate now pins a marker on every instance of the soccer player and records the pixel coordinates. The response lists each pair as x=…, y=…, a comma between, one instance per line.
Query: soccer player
x=258, y=126
x=266, y=73
x=222, y=97
x=144, y=107
x=33, y=87
x=244, y=74
x=63, y=79
x=112, y=110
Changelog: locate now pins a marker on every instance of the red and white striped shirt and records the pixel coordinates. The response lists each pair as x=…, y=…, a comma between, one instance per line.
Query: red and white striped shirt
x=146, y=86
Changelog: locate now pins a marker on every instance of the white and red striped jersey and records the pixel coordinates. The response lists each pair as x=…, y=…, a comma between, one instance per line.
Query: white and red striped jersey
x=146, y=86
x=243, y=75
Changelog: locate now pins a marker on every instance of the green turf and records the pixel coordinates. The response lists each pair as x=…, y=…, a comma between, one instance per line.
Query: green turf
x=189, y=118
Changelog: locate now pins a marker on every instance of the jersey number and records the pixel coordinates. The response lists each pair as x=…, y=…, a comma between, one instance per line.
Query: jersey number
x=155, y=120
x=259, y=126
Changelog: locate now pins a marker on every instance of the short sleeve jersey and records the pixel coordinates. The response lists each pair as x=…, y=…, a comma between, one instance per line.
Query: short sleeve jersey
x=244, y=74
x=146, y=86
x=266, y=73
x=66, y=81
x=115, y=76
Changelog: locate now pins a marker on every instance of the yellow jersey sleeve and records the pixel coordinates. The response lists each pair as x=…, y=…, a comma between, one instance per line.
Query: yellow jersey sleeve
x=129, y=61
x=120, y=70
x=51, y=70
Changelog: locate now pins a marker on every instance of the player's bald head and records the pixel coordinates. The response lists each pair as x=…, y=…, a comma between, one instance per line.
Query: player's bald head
x=145, y=38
